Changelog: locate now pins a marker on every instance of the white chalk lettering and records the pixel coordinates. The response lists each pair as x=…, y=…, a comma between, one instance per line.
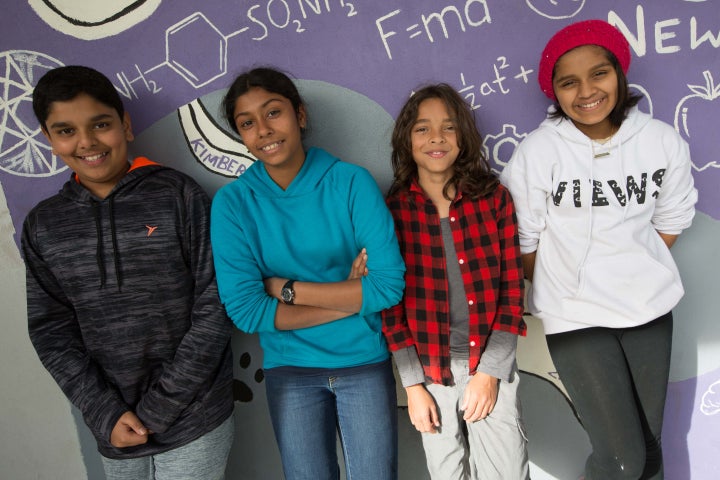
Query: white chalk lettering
x=450, y=16
x=669, y=35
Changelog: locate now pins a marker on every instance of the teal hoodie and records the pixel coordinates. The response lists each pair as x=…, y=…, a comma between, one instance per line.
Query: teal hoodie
x=312, y=232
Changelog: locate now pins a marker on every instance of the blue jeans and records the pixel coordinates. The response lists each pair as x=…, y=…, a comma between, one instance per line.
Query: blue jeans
x=310, y=407
x=204, y=458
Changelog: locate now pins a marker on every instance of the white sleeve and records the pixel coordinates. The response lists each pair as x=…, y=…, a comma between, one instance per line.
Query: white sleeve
x=675, y=205
x=523, y=178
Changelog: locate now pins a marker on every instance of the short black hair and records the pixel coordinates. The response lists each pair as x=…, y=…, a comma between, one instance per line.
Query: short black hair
x=267, y=78
x=62, y=84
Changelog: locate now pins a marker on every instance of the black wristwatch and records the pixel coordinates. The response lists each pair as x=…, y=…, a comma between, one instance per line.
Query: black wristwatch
x=287, y=294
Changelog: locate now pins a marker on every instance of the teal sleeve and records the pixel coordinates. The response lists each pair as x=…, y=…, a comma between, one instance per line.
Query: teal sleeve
x=375, y=231
x=239, y=279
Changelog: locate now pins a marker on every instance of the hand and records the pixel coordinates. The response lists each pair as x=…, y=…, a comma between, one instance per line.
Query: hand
x=128, y=431
x=422, y=409
x=274, y=285
x=359, y=266
x=479, y=397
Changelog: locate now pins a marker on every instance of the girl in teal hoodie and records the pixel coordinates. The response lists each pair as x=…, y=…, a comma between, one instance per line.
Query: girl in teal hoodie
x=285, y=235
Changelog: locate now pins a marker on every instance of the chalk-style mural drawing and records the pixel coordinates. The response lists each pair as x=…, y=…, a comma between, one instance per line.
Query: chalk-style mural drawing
x=212, y=146
x=499, y=148
x=711, y=400
x=242, y=392
x=23, y=149
x=556, y=9
x=211, y=64
x=91, y=20
x=356, y=63
x=197, y=70
x=694, y=110
x=645, y=104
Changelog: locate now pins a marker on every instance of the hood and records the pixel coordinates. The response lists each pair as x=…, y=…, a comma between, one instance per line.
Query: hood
x=564, y=127
x=317, y=164
x=75, y=192
x=140, y=167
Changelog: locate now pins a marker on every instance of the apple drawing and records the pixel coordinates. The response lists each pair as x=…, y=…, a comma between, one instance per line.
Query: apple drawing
x=694, y=118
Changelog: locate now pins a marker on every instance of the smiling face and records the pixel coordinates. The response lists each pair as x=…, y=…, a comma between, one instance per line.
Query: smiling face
x=271, y=130
x=586, y=86
x=434, y=141
x=91, y=138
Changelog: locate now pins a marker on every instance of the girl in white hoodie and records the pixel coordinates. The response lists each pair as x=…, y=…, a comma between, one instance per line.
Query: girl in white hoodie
x=602, y=191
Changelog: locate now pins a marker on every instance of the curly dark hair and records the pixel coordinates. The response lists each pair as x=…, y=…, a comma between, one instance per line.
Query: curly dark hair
x=472, y=172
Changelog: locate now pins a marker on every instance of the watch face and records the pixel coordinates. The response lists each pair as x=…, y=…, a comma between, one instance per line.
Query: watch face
x=287, y=294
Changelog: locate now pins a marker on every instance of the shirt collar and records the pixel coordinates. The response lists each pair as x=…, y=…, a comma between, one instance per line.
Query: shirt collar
x=416, y=188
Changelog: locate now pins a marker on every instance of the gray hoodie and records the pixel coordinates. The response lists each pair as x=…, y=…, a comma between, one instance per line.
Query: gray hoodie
x=123, y=308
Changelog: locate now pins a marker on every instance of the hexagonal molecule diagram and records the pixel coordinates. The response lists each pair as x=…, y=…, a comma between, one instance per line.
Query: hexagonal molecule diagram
x=198, y=31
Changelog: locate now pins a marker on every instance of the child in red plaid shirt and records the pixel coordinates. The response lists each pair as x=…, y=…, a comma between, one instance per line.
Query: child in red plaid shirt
x=454, y=334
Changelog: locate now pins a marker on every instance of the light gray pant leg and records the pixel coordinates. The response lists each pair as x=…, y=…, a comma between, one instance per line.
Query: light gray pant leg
x=495, y=448
x=131, y=468
x=446, y=451
x=204, y=458
x=498, y=444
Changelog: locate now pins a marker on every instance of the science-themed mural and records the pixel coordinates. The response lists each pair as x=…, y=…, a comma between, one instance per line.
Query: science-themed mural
x=356, y=62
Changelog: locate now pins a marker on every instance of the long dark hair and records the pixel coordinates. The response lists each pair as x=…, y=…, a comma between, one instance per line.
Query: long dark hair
x=626, y=100
x=472, y=172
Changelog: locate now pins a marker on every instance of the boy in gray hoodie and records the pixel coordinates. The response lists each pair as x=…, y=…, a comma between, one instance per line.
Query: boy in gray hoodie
x=123, y=308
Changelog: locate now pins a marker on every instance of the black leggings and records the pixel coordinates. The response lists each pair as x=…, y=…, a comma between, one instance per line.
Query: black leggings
x=617, y=380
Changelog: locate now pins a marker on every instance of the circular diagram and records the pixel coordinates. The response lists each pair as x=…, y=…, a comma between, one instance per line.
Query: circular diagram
x=23, y=148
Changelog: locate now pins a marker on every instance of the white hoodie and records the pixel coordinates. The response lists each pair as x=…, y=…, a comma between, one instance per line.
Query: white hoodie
x=592, y=212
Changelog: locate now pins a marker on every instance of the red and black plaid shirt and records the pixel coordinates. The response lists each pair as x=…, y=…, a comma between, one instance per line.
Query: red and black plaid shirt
x=488, y=253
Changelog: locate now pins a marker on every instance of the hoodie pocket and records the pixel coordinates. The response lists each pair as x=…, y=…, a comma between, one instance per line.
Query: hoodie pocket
x=631, y=285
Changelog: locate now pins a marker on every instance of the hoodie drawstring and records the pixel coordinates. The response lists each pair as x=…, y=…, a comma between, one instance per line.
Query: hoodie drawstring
x=99, y=257
x=99, y=248
x=626, y=206
x=588, y=239
x=624, y=178
x=116, y=255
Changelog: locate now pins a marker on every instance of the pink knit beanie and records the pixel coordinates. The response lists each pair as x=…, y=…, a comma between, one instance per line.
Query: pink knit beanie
x=587, y=32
